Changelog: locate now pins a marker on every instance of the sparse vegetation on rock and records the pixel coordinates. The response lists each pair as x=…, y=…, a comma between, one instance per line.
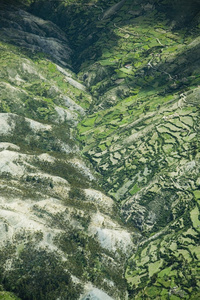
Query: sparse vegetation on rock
x=99, y=149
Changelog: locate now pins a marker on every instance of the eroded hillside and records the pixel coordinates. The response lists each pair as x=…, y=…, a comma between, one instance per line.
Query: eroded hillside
x=99, y=156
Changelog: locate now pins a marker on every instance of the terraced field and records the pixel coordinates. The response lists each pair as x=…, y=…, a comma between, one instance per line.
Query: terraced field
x=143, y=137
x=99, y=130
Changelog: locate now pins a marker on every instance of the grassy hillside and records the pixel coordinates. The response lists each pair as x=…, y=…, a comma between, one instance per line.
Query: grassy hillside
x=120, y=92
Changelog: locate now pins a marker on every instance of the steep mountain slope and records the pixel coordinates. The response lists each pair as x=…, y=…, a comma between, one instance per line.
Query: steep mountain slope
x=100, y=169
x=56, y=226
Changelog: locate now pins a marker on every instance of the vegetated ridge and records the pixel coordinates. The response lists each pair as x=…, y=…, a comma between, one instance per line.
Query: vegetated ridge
x=99, y=146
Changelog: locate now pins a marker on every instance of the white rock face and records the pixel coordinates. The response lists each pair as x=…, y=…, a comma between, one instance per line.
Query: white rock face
x=109, y=234
x=46, y=157
x=75, y=83
x=55, y=179
x=8, y=121
x=68, y=78
x=10, y=163
x=71, y=105
x=18, y=217
x=6, y=124
x=29, y=68
x=63, y=71
x=82, y=168
x=95, y=294
x=12, y=89
x=99, y=198
x=17, y=164
x=10, y=146
x=37, y=126
x=68, y=149
x=64, y=115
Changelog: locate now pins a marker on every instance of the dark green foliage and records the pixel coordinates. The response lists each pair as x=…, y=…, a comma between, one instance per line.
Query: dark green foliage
x=67, y=171
x=40, y=141
x=38, y=274
x=141, y=173
x=76, y=193
x=87, y=259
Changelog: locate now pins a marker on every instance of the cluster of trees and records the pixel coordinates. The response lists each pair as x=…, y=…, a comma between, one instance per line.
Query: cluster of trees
x=39, y=274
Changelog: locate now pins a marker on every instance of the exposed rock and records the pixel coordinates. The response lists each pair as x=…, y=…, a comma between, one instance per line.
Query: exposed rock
x=75, y=83
x=9, y=146
x=69, y=103
x=99, y=198
x=112, y=10
x=65, y=116
x=28, y=31
x=96, y=294
x=6, y=125
x=105, y=185
x=110, y=235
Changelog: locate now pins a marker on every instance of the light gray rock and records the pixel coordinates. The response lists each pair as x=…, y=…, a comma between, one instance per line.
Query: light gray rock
x=112, y=10
x=96, y=294
x=26, y=30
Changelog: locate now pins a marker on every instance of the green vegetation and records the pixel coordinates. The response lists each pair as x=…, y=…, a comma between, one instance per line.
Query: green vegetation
x=171, y=262
x=8, y=296
x=37, y=274
x=129, y=116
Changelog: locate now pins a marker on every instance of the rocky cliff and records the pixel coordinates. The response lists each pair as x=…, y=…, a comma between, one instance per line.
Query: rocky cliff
x=99, y=151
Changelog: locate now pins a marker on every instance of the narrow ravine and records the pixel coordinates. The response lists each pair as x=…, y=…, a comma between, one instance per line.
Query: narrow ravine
x=99, y=150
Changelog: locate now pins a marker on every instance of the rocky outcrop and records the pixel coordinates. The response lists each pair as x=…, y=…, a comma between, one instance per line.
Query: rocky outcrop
x=50, y=199
x=99, y=171
x=25, y=30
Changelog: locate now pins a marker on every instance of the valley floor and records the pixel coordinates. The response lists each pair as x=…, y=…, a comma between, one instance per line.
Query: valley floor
x=99, y=150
